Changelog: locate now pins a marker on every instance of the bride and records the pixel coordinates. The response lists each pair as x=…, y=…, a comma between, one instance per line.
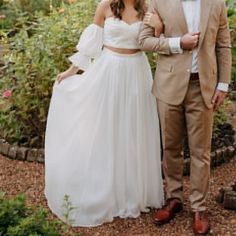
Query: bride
x=102, y=149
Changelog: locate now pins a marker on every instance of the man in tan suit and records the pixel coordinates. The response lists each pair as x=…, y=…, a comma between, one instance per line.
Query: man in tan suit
x=191, y=80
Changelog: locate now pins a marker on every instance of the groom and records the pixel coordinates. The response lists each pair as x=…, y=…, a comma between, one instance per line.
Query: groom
x=191, y=81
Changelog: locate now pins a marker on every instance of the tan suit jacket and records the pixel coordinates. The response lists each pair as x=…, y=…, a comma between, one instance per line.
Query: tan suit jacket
x=214, y=50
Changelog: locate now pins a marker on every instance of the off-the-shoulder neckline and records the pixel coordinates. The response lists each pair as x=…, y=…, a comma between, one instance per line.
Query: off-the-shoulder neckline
x=129, y=24
x=112, y=17
x=99, y=26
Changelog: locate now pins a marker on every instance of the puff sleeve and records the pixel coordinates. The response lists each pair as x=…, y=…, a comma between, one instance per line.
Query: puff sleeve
x=89, y=47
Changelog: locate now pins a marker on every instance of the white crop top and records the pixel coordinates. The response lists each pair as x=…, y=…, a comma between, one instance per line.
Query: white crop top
x=116, y=33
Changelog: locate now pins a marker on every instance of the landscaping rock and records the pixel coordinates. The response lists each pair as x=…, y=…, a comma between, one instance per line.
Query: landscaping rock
x=227, y=197
x=234, y=187
x=1, y=144
x=40, y=155
x=29, y=177
x=12, y=152
x=32, y=155
x=218, y=157
x=231, y=151
x=220, y=196
x=5, y=148
x=213, y=159
x=225, y=154
x=234, y=147
x=21, y=153
x=230, y=200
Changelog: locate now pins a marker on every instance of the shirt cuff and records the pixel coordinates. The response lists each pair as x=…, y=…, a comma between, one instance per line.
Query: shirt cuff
x=174, y=44
x=223, y=87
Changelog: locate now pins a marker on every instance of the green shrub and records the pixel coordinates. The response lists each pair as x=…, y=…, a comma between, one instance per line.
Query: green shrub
x=37, y=53
x=33, y=61
x=16, y=8
x=220, y=117
x=37, y=5
x=16, y=219
x=232, y=21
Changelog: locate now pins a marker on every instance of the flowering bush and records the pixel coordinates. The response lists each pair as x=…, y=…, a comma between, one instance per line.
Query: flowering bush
x=15, y=9
x=36, y=55
x=7, y=94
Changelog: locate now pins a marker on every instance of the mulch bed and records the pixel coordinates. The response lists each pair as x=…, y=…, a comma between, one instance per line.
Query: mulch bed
x=19, y=176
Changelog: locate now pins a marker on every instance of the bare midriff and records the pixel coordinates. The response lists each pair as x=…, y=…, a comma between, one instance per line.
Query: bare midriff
x=122, y=50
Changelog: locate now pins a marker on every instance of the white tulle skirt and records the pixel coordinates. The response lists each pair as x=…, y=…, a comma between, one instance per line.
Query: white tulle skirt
x=102, y=146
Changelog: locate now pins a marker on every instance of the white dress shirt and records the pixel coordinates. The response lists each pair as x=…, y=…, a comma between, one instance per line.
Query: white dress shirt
x=192, y=12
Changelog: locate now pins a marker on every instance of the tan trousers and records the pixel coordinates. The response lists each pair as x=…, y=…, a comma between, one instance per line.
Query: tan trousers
x=193, y=115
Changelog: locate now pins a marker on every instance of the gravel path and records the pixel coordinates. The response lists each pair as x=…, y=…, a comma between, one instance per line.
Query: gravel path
x=17, y=176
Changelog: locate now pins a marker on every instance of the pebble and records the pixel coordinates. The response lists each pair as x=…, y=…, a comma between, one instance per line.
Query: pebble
x=19, y=176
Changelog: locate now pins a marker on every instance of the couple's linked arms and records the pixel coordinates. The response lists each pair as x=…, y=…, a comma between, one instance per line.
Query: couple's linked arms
x=168, y=46
x=149, y=41
x=91, y=40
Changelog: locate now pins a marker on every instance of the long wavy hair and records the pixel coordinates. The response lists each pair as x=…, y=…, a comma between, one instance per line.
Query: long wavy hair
x=118, y=6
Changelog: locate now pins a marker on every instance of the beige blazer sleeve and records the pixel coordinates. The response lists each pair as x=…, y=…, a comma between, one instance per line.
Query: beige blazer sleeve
x=223, y=48
x=147, y=39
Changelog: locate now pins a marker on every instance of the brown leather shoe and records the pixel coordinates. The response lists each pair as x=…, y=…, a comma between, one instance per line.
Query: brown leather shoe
x=201, y=224
x=165, y=214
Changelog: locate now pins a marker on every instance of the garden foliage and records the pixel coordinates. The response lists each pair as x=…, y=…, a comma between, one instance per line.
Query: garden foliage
x=16, y=219
x=232, y=21
x=37, y=53
x=15, y=8
x=38, y=37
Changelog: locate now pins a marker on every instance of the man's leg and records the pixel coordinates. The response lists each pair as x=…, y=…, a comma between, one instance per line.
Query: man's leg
x=199, y=120
x=172, y=130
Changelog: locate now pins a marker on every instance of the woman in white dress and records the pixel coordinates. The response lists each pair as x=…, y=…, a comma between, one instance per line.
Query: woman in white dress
x=102, y=146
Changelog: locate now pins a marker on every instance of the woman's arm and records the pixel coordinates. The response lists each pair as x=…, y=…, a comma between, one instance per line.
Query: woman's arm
x=99, y=21
x=101, y=12
x=154, y=20
x=70, y=71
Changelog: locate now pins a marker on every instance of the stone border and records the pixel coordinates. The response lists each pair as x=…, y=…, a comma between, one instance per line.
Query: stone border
x=227, y=197
x=37, y=155
x=218, y=157
x=21, y=153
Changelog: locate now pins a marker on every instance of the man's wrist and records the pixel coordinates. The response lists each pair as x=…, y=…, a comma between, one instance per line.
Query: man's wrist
x=181, y=43
x=174, y=44
x=224, y=87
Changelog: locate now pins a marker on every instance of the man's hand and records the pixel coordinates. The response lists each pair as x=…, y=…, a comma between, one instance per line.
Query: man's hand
x=190, y=40
x=218, y=99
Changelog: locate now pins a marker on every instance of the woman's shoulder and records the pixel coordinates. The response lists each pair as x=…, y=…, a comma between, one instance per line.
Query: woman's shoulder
x=104, y=4
x=103, y=9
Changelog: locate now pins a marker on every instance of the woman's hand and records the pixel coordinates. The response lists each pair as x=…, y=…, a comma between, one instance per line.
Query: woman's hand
x=154, y=20
x=71, y=71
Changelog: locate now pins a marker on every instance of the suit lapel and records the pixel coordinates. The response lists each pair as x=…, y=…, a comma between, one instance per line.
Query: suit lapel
x=178, y=15
x=205, y=13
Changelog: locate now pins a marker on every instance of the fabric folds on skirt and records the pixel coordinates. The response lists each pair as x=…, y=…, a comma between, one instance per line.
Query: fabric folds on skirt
x=102, y=146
